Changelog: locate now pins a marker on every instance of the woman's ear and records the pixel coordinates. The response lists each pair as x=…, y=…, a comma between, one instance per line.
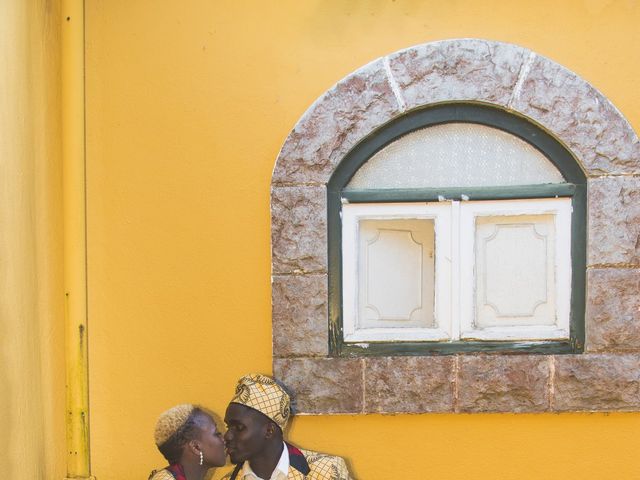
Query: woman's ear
x=194, y=446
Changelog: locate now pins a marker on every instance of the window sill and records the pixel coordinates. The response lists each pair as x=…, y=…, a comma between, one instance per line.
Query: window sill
x=462, y=383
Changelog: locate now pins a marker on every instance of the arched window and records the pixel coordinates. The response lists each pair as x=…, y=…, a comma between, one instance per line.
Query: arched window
x=431, y=208
x=458, y=227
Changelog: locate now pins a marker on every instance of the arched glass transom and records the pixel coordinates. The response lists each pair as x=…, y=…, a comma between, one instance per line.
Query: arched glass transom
x=456, y=155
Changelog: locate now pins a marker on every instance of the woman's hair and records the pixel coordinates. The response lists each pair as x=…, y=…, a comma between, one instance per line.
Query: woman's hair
x=175, y=428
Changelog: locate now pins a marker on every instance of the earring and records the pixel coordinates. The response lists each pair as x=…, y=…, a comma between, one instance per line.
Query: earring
x=201, y=457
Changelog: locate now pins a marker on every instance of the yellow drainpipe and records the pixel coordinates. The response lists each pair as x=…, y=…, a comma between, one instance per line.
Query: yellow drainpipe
x=75, y=245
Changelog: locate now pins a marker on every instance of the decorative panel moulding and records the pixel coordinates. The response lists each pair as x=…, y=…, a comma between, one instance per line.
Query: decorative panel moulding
x=530, y=93
x=501, y=244
x=396, y=273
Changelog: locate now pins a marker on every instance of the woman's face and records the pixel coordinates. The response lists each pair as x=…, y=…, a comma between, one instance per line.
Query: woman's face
x=211, y=443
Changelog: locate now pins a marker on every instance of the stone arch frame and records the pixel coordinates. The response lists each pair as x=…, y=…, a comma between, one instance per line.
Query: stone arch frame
x=606, y=377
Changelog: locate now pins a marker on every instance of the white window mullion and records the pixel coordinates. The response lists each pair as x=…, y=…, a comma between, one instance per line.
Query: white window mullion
x=455, y=270
x=445, y=258
x=466, y=270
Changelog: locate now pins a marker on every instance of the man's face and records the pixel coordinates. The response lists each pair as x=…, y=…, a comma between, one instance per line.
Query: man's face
x=246, y=434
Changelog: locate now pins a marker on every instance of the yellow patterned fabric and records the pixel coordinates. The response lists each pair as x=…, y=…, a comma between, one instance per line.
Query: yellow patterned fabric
x=161, y=475
x=321, y=467
x=262, y=393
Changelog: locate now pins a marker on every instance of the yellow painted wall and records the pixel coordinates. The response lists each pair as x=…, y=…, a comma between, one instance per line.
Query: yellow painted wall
x=31, y=295
x=188, y=105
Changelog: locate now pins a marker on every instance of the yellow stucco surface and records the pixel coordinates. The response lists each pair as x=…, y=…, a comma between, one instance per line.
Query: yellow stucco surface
x=31, y=300
x=188, y=104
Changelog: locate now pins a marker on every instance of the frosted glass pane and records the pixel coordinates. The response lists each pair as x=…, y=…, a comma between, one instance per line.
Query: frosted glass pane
x=456, y=155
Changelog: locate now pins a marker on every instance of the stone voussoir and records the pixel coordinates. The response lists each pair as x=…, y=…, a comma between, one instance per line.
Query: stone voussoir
x=580, y=116
x=339, y=119
x=596, y=382
x=465, y=69
x=299, y=229
x=409, y=384
x=322, y=385
x=300, y=315
x=503, y=383
x=614, y=220
x=613, y=310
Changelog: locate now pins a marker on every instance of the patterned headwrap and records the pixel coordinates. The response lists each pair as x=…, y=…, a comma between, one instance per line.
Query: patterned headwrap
x=263, y=394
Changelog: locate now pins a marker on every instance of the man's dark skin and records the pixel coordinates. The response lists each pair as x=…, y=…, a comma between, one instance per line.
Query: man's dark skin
x=254, y=437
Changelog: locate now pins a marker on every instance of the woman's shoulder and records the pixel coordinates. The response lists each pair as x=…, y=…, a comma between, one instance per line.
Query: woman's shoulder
x=161, y=475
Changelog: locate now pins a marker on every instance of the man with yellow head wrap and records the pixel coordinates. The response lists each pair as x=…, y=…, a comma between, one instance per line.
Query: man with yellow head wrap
x=255, y=418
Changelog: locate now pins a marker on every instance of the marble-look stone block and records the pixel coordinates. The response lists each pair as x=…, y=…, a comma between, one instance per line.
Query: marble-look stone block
x=409, y=384
x=503, y=383
x=580, y=116
x=339, y=119
x=613, y=310
x=614, y=221
x=300, y=323
x=299, y=229
x=465, y=69
x=596, y=382
x=322, y=385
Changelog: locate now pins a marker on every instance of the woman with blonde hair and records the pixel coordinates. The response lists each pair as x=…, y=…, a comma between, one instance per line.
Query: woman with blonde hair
x=188, y=438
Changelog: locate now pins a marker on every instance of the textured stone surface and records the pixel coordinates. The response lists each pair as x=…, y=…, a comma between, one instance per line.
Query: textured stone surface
x=299, y=229
x=503, y=383
x=339, y=119
x=614, y=220
x=580, y=116
x=322, y=385
x=464, y=69
x=596, y=382
x=300, y=323
x=409, y=384
x=613, y=310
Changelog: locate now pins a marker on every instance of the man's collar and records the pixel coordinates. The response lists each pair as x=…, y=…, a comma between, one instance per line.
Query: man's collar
x=283, y=463
x=282, y=466
x=297, y=460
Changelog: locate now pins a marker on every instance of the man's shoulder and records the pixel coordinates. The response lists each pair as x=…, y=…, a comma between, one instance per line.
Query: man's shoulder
x=311, y=455
x=325, y=466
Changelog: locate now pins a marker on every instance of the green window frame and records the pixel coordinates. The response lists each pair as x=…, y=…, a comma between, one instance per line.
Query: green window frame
x=574, y=187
